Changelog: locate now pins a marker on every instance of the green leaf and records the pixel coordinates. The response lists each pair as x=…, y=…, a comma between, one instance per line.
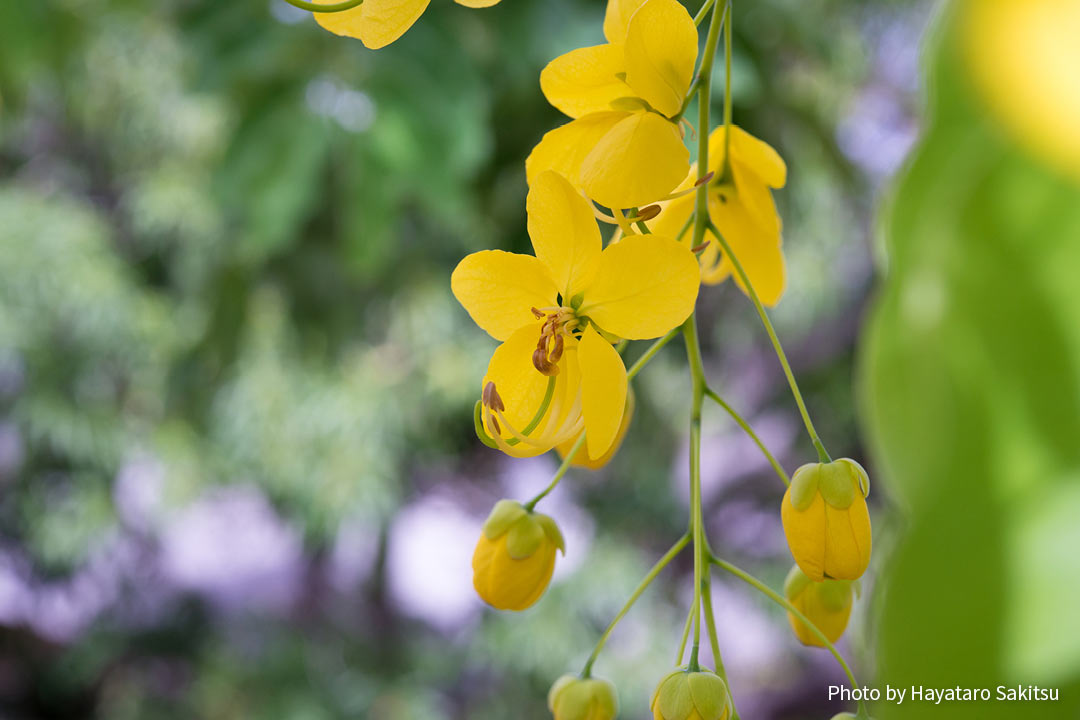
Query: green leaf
x=969, y=387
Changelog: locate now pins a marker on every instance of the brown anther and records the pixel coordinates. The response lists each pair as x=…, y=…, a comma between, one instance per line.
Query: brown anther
x=557, y=351
x=494, y=425
x=490, y=398
x=541, y=363
x=647, y=213
x=704, y=179
x=537, y=313
x=700, y=247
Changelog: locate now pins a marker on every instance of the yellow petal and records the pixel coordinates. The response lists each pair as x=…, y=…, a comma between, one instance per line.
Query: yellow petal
x=603, y=391
x=847, y=540
x=522, y=389
x=673, y=217
x=585, y=80
x=477, y=3
x=506, y=583
x=758, y=249
x=751, y=153
x=563, y=231
x=645, y=285
x=805, y=533
x=661, y=50
x=376, y=23
x=757, y=198
x=639, y=160
x=565, y=148
x=498, y=289
x=617, y=17
x=581, y=459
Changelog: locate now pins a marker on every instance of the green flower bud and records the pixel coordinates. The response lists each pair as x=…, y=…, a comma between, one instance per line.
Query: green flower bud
x=685, y=695
x=576, y=698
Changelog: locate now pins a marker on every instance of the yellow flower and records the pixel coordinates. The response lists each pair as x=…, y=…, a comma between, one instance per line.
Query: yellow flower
x=742, y=208
x=826, y=521
x=685, y=695
x=515, y=556
x=624, y=147
x=575, y=698
x=827, y=604
x=555, y=375
x=377, y=23
x=1025, y=59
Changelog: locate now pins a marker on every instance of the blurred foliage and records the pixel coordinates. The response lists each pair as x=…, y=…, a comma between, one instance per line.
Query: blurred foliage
x=970, y=378
x=225, y=245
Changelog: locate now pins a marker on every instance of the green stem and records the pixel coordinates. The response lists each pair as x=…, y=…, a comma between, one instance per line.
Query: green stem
x=726, y=170
x=783, y=602
x=660, y=565
x=714, y=640
x=685, y=634
x=650, y=353
x=332, y=8
x=558, y=473
x=711, y=394
x=704, y=83
x=693, y=347
x=705, y=7
x=823, y=454
x=697, y=376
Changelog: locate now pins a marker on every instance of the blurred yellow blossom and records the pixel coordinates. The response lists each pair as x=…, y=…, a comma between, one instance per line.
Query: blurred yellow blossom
x=1024, y=56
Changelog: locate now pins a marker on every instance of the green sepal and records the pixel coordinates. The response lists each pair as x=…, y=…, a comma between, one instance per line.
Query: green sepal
x=710, y=695
x=861, y=476
x=835, y=595
x=551, y=529
x=836, y=483
x=478, y=423
x=557, y=687
x=804, y=486
x=524, y=538
x=605, y=334
x=674, y=697
x=579, y=699
x=795, y=582
x=629, y=104
x=502, y=517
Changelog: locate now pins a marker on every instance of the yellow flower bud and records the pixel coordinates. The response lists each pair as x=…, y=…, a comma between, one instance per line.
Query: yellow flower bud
x=515, y=556
x=685, y=695
x=827, y=604
x=826, y=521
x=575, y=698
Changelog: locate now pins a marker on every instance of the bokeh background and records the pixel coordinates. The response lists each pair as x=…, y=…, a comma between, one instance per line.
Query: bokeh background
x=238, y=474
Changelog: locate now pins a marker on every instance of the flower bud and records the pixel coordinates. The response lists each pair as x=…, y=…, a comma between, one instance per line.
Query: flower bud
x=575, y=698
x=685, y=695
x=827, y=604
x=826, y=521
x=515, y=556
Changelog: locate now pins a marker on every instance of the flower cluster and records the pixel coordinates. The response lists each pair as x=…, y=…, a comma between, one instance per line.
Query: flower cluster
x=564, y=315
